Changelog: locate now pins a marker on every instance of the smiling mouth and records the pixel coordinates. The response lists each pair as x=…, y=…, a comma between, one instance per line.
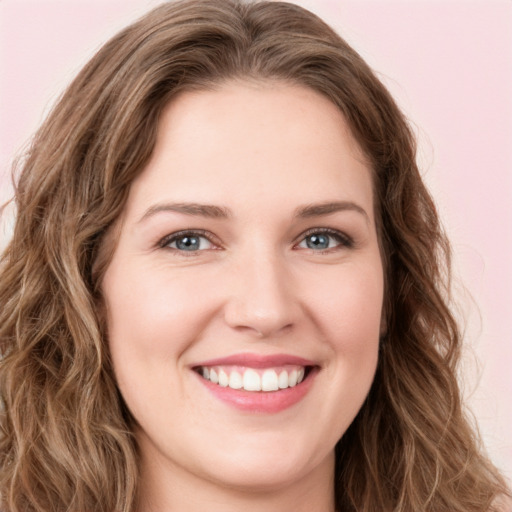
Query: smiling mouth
x=255, y=379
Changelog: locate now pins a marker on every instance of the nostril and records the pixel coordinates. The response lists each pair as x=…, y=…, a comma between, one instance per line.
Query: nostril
x=264, y=309
x=261, y=329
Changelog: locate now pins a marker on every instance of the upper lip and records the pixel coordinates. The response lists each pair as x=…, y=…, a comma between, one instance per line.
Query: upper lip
x=257, y=361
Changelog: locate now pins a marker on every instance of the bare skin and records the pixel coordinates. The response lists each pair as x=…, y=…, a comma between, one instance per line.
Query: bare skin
x=251, y=231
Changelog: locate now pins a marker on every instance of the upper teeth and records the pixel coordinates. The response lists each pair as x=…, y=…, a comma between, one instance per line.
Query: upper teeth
x=251, y=379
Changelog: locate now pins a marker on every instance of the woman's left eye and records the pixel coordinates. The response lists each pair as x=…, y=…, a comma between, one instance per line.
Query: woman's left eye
x=324, y=240
x=187, y=242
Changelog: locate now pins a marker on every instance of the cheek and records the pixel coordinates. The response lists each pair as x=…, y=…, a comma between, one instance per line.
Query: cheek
x=152, y=320
x=348, y=306
x=154, y=316
x=348, y=309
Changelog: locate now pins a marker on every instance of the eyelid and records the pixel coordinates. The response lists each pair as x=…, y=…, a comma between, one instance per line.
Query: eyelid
x=343, y=239
x=171, y=237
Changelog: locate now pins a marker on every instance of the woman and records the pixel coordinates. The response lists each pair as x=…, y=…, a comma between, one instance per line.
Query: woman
x=225, y=285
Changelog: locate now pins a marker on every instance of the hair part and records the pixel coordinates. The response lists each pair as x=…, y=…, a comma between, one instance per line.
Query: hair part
x=66, y=440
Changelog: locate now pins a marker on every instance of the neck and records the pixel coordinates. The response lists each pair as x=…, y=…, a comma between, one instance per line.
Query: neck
x=165, y=487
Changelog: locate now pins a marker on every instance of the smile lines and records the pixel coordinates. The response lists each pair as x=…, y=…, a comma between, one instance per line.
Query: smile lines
x=250, y=379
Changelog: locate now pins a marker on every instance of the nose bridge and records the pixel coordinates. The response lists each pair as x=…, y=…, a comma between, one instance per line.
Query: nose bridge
x=261, y=299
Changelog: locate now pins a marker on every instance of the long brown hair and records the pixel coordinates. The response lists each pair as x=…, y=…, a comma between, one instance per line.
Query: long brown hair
x=66, y=441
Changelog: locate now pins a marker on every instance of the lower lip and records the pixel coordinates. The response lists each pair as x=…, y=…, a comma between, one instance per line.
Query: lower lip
x=261, y=401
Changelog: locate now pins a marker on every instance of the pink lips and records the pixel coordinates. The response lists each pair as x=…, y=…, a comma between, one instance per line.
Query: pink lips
x=259, y=401
x=257, y=361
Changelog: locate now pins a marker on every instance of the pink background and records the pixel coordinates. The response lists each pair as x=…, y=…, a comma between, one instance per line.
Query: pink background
x=448, y=63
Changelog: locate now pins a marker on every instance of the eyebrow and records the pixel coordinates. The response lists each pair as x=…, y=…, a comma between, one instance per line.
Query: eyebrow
x=220, y=212
x=194, y=209
x=318, y=210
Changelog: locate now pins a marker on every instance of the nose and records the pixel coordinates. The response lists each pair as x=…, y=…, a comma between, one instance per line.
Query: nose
x=262, y=302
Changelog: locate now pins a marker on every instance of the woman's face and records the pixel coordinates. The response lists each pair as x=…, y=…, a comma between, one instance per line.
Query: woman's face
x=247, y=258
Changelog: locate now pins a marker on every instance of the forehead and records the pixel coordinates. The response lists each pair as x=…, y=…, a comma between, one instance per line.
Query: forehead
x=263, y=141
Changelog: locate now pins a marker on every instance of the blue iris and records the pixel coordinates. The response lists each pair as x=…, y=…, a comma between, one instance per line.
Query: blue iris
x=318, y=241
x=188, y=243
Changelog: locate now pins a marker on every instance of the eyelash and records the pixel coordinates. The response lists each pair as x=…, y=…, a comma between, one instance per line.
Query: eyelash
x=173, y=237
x=343, y=240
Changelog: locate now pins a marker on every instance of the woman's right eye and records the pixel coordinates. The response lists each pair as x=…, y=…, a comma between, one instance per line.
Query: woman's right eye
x=187, y=242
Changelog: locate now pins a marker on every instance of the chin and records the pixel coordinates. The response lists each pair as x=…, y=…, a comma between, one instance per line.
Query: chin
x=262, y=476
x=269, y=466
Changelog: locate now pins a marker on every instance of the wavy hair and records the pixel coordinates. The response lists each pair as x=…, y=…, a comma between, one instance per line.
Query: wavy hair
x=66, y=441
